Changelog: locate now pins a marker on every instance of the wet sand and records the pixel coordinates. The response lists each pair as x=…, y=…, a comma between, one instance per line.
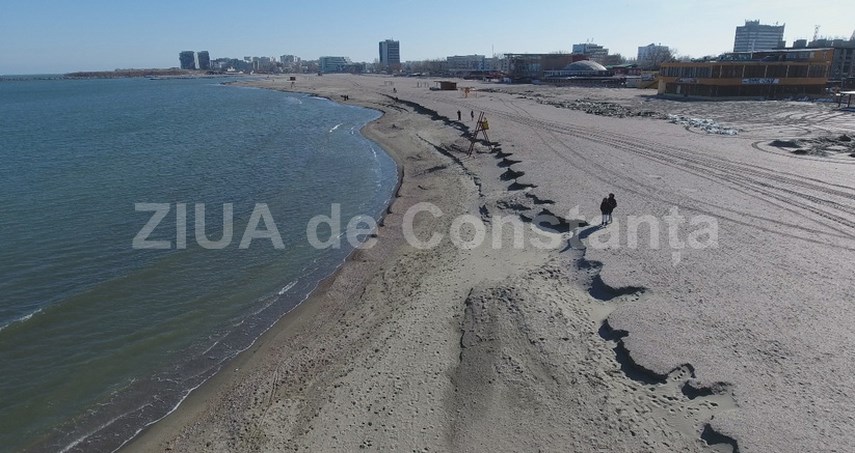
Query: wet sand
x=622, y=339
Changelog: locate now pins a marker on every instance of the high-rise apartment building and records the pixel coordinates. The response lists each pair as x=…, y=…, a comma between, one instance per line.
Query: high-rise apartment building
x=593, y=51
x=652, y=55
x=842, y=63
x=390, y=53
x=187, y=59
x=333, y=64
x=466, y=63
x=203, y=60
x=753, y=37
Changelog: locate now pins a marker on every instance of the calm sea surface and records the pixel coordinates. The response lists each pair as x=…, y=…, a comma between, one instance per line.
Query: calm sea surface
x=98, y=338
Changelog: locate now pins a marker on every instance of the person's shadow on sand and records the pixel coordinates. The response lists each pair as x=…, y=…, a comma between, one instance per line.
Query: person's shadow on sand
x=583, y=234
x=575, y=242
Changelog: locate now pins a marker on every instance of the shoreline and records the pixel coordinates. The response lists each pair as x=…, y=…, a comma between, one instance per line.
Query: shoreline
x=123, y=424
x=192, y=404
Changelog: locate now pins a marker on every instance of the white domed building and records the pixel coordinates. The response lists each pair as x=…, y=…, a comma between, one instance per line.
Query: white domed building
x=583, y=68
x=584, y=72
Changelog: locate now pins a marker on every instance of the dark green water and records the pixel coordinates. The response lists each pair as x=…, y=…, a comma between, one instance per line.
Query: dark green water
x=98, y=338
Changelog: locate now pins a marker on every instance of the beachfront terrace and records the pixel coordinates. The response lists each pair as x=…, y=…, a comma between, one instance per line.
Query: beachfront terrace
x=769, y=74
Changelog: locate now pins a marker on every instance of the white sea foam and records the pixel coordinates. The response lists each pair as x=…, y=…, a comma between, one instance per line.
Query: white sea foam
x=287, y=287
x=24, y=318
x=83, y=438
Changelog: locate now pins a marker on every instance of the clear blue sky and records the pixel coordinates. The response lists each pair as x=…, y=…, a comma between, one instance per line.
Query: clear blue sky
x=54, y=36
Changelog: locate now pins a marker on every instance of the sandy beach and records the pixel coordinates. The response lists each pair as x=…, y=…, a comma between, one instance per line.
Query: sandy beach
x=714, y=314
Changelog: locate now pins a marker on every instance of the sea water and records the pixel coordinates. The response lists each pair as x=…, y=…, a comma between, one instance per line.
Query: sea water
x=99, y=338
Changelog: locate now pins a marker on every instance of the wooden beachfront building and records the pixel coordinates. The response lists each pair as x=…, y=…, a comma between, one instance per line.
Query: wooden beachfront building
x=768, y=74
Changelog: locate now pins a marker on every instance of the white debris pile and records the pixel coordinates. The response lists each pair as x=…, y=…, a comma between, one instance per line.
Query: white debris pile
x=707, y=125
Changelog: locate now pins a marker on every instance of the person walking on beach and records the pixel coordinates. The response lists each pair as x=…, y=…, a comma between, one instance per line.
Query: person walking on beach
x=458, y=115
x=472, y=114
x=607, y=206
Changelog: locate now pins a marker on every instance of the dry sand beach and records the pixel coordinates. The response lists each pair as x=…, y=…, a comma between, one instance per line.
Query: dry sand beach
x=730, y=331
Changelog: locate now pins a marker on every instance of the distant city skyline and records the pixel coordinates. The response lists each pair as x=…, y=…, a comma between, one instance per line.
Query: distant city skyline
x=52, y=36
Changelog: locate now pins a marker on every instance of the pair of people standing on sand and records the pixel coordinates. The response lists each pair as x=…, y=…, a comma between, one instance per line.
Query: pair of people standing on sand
x=471, y=114
x=606, y=207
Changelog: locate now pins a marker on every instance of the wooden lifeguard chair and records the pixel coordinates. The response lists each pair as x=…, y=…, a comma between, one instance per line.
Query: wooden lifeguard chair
x=482, y=126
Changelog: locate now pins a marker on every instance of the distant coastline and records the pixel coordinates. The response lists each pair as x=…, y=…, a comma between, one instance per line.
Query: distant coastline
x=171, y=73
